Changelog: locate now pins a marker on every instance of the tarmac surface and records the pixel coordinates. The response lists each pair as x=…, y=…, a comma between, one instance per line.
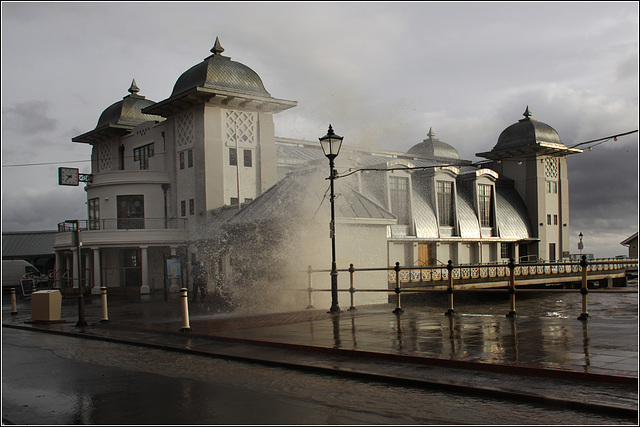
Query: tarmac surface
x=587, y=365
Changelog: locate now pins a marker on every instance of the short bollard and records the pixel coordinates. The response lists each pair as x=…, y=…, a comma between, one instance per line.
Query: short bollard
x=105, y=311
x=451, y=311
x=81, y=323
x=14, y=309
x=185, y=311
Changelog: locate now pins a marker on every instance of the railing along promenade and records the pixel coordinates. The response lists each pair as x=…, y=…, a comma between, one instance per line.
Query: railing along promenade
x=488, y=277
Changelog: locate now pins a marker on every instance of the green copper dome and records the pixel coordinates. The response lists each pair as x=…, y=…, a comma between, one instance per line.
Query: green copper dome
x=527, y=132
x=219, y=72
x=434, y=148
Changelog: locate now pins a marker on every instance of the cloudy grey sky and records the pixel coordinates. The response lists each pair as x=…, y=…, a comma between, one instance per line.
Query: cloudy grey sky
x=381, y=73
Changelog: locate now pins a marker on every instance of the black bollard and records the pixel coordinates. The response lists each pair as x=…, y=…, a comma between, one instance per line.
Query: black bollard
x=81, y=322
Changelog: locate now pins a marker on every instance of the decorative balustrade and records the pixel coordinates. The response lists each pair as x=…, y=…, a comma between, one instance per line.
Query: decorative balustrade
x=496, y=271
x=126, y=224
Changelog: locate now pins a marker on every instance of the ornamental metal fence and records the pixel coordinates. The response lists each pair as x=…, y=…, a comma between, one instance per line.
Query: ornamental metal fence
x=444, y=278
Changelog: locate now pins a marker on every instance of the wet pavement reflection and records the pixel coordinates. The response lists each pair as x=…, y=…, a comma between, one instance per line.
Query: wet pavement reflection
x=598, y=347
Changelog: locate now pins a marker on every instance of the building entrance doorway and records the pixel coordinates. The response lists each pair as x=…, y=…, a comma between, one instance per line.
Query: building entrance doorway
x=131, y=273
x=425, y=254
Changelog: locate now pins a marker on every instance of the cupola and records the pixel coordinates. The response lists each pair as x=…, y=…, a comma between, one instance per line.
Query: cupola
x=434, y=148
x=218, y=79
x=526, y=136
x=120, y=118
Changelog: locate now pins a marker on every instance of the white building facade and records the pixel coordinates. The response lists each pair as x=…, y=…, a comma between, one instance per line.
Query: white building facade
x=201, y=175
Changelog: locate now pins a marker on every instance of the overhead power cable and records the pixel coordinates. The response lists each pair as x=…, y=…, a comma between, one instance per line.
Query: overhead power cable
x=595, y=143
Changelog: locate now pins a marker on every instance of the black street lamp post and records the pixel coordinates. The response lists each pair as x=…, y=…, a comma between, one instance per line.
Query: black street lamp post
x=78, y=243
x=331, y=144
x=580, y=244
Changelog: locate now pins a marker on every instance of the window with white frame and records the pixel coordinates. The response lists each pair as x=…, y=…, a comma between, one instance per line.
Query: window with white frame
x=444, y=190
x=142, y=155
x=484, y=205
x=94, y=213
x=399, y=194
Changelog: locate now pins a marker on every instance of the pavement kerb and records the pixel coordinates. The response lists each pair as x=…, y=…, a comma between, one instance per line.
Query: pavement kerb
x=442, y=385
x=403, y=358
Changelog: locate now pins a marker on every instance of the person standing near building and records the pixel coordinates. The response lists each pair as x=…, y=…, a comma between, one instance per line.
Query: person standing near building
x=199, y=276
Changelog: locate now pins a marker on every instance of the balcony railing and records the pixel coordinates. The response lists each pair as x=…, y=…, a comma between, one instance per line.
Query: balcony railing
x=126, y=224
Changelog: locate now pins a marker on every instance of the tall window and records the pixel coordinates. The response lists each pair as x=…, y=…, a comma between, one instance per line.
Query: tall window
x=186, y=159
x=484, y=204
x=248, y=161
x=142, y=154
x=445, y=203
x=192, y=206
x=505, y=250
x=130, y=212
x=94, y=214
x=183, y=208
x=399, y=192
x=189, y=158
x=233, y=157
x=552, y=251
x=121, y=157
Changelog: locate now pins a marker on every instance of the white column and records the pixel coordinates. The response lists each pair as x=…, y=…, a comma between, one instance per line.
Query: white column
x=144, y=265
x=175, y=284
x=97, y=279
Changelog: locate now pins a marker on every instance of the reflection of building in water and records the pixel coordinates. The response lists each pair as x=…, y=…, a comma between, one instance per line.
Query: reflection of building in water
x=202, y=172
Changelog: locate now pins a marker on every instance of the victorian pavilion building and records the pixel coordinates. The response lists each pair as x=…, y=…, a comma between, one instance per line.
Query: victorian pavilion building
x=201, y=175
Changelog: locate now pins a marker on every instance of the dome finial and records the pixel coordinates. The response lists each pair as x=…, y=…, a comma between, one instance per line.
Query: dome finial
x=134, y=89
x=431, y=134
x=527, y=115
x=217, y=48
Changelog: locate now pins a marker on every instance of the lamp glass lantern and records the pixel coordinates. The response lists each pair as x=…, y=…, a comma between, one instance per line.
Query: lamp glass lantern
x=331, y=144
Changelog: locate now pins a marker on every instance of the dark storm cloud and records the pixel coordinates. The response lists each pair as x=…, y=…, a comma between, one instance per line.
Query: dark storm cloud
x=29, y=118
x=604, y=183
x=38, y=209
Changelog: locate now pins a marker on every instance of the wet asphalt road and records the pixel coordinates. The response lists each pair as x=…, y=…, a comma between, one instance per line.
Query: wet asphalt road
x=50, y=379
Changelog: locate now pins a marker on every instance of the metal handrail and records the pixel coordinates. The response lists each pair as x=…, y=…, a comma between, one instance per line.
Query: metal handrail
x=509, y=270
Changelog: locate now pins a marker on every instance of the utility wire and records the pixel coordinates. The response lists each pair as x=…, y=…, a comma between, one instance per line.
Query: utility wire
x=596, y=141
x=480, y=163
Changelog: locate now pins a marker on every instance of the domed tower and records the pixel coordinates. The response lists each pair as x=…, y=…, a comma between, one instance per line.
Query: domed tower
x=120, y=118
x=531, y=154
x=220, y=131
x=434, y=148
